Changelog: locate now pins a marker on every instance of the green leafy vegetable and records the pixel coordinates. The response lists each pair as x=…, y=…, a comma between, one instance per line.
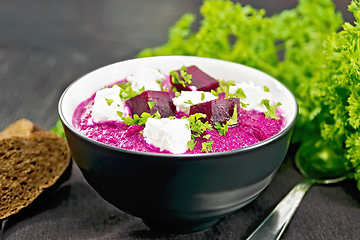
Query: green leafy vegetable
x=238, y=94
x=224, y=86
x=207, y=146
x=151, y=104
x=202, y=96
x=109, y=101
x=196, y=125
x=309, y=48
x=160, y=84
x=234, y=118
x=191, y=144
x=127, y=92
x=58, y=129
x=222, y=129
x=136, y=120
x=186, y=77
x=189, y=102
x=271, y=109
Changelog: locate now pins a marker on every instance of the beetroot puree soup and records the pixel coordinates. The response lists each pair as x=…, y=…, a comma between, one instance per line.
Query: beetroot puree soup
x=252, y=126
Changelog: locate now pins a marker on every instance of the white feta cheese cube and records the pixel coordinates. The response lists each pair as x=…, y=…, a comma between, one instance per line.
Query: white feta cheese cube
x=168, y=134
x=106, y=105
x=254, y=95
x=182, y=101
x=146, y=77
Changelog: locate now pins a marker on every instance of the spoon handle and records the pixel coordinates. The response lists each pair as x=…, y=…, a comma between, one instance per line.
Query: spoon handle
x=274, y=225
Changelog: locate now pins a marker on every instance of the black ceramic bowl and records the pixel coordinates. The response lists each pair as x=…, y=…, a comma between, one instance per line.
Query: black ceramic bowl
x=177, y=193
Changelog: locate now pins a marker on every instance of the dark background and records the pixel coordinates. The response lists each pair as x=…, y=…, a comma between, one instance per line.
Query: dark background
x=45, y=45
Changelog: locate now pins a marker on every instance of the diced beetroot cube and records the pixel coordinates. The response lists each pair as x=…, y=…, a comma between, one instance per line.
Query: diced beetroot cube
x=200, y=80
x=218, y=110
x=171, y=94
x=150, y=102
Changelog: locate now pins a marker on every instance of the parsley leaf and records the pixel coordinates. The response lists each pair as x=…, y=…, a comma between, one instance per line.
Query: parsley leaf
x=270, y=109
x=176, y=79
x=188, y=102
x=191, y=144
x=136, y=120
x=151, y=104
x=238, y=94
x=187, y=77
x=222, y=129
x=58, y=129
x=126, y=91
x=202, y=96
x=197, y=127
x=224, y=86
x=207, y=146
x=109, y=101
x=234, y=118
x=308, y=48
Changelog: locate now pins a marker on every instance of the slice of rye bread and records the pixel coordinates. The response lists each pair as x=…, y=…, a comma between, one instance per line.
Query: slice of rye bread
x=22, y=127
x=28, y=167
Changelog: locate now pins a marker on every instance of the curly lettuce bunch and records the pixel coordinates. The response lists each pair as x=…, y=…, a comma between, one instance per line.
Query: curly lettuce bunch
x=286, y=45
x=335, y=93
x=305, y=48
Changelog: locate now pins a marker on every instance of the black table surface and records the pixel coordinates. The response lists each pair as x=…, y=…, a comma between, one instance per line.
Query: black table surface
x=45, y=45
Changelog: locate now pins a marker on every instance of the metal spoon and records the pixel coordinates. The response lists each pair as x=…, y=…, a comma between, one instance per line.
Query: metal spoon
x=274, y=225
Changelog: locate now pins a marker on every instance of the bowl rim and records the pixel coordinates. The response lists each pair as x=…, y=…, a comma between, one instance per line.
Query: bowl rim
x=252, y=147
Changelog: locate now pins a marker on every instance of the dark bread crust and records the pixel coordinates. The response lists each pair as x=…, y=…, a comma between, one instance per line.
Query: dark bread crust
x=28, y=166
x=22, y=127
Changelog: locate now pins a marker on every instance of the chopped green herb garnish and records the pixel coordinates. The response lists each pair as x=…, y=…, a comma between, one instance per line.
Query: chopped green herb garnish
x=207, y=146
x=196, y=125
x=175, y=79
x=109, y=101
x=243, y=105
x=213, y=92
x=224, y=86
x=160, y=84
x=270, y=109
x=238, y=94
x=191, y=144
x=222, y=129
x=126, y=91
x=188, y=102
x=207, y=136
x=151, y=104
x=234, y=118
x=202, y=96
x=120, y=114
x=187, y=77
x=123, y=84
x=156, y=115
x=136, y=120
